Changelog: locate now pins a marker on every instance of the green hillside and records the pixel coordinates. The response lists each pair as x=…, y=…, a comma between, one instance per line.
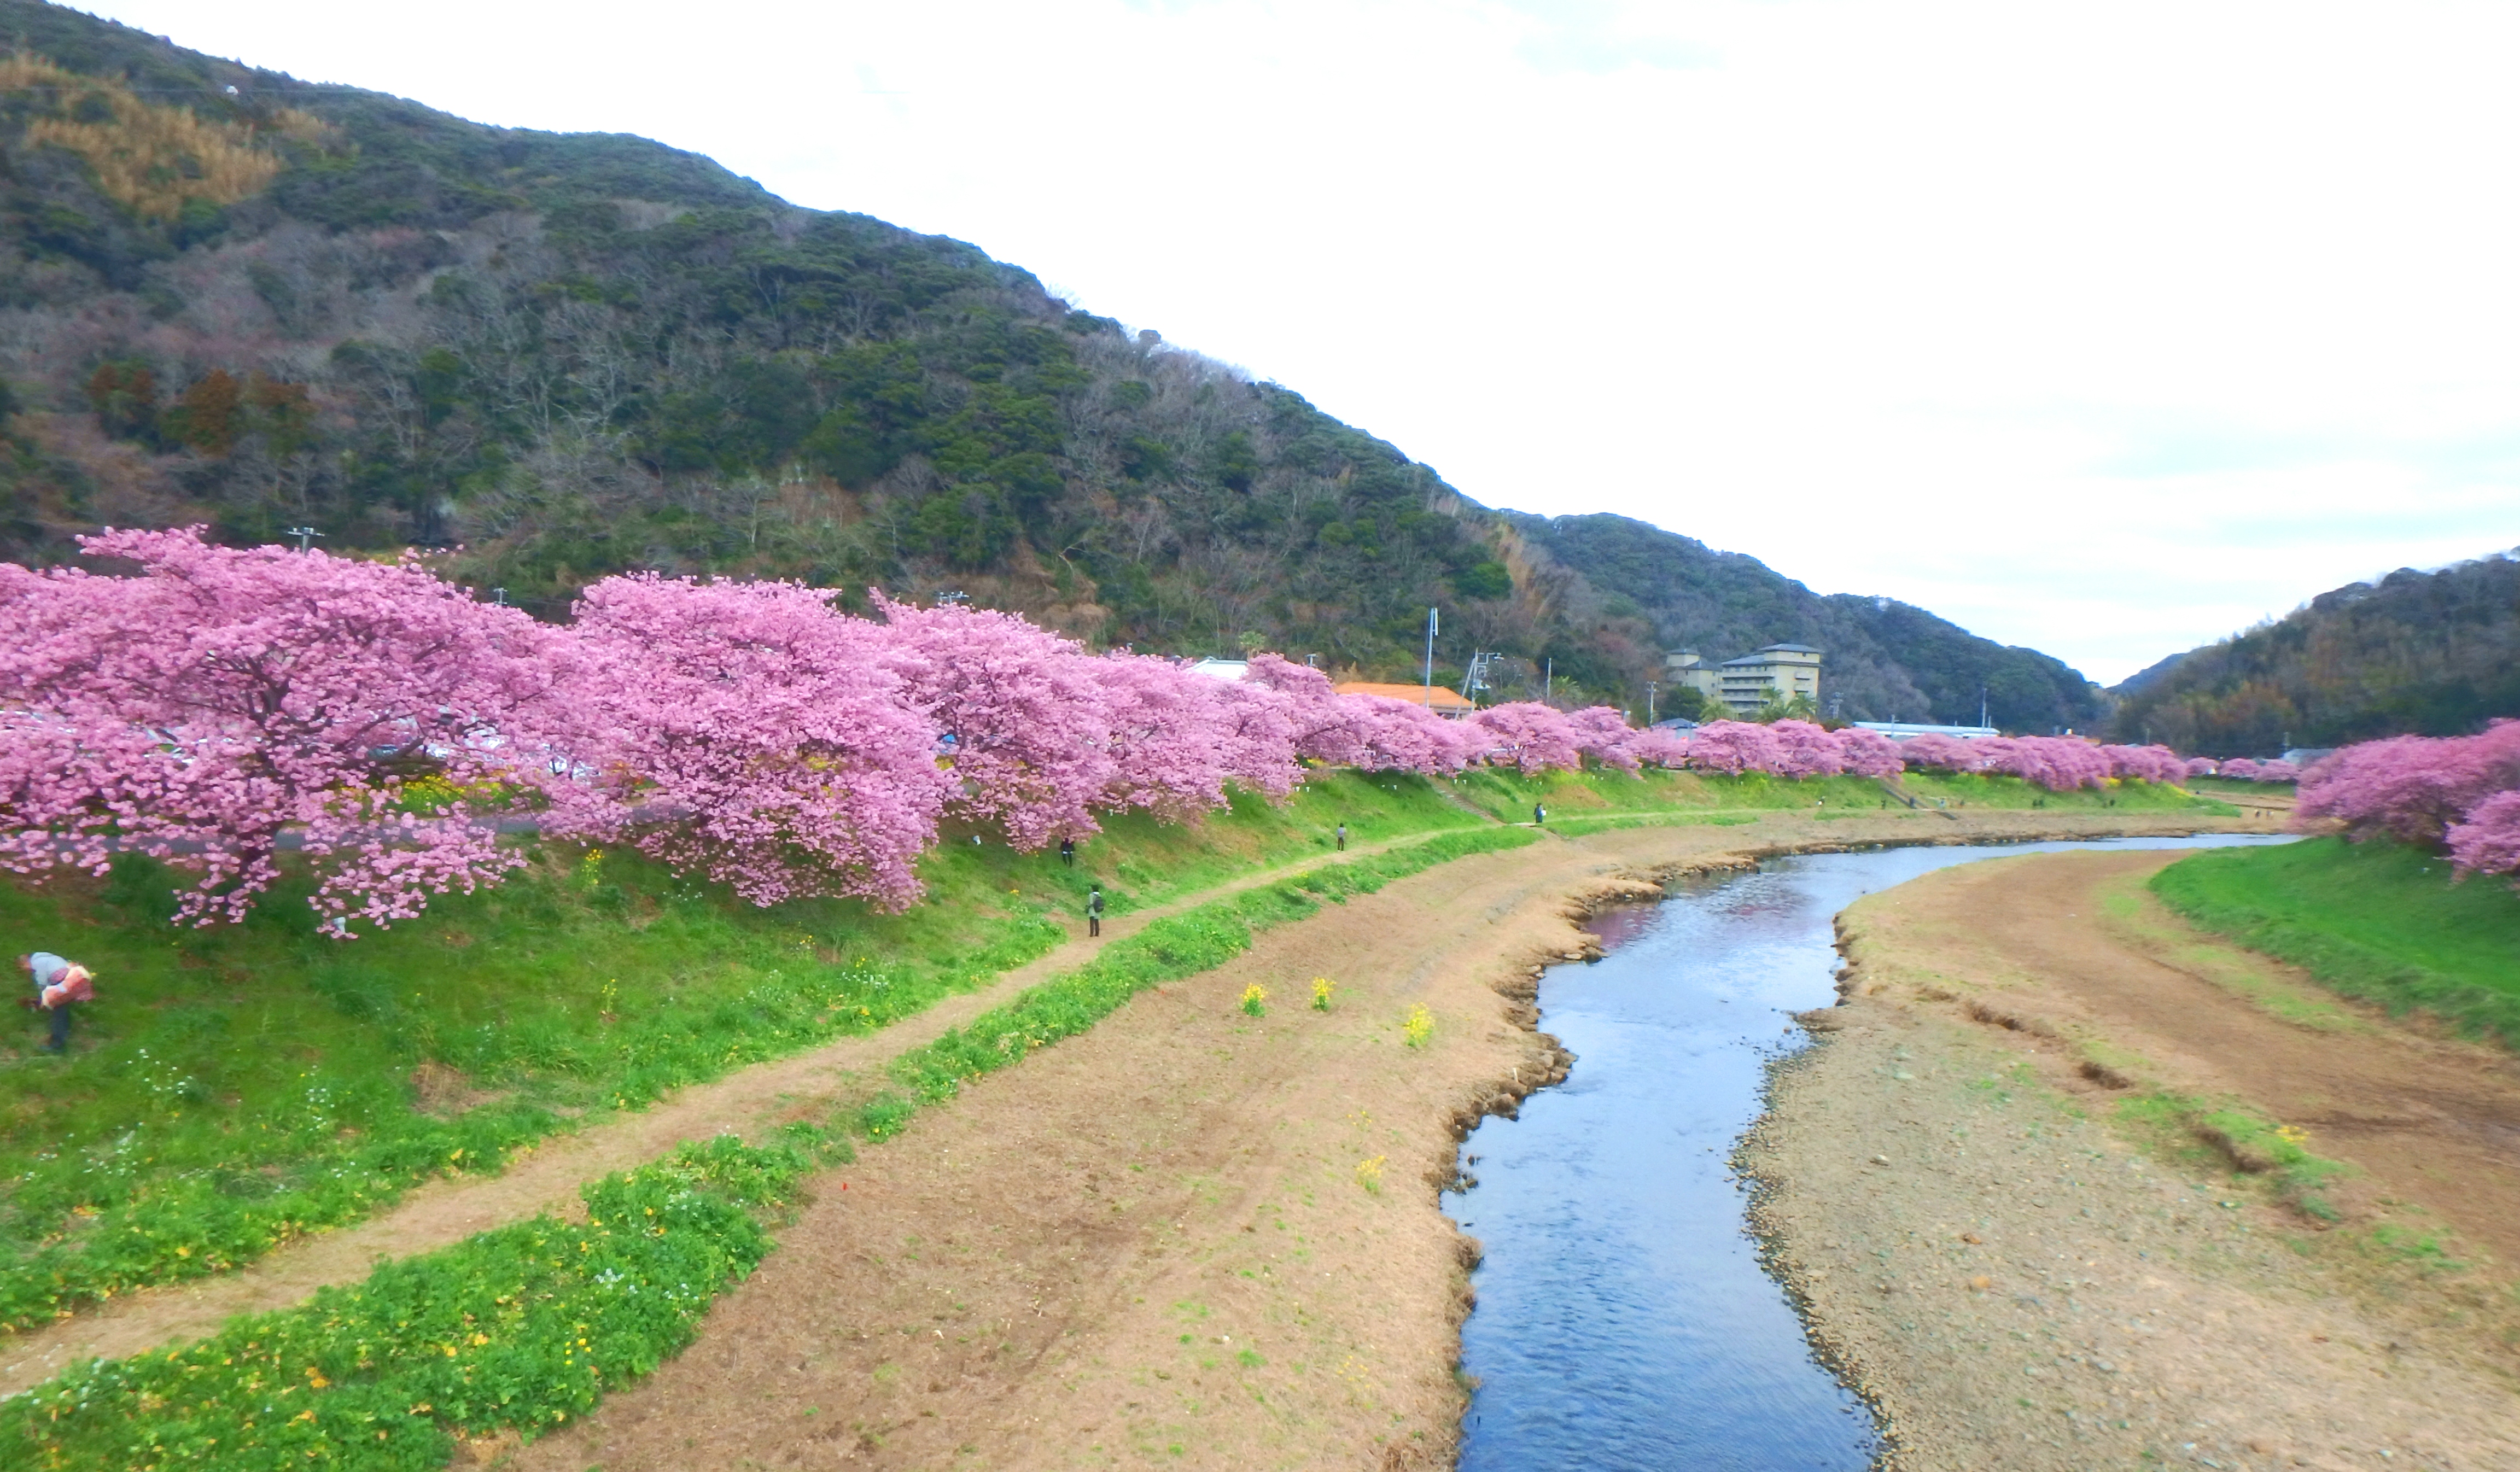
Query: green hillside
x=1885, y=658
x=260, y=303
x=2431, y=653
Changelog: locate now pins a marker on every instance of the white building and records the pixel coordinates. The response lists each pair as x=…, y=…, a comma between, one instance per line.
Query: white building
x=1901, y=730
x=1779, y=673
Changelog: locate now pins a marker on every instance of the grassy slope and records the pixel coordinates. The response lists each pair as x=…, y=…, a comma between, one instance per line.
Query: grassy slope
x=235, y=1085
x=512, y=1328
x=2377, y=920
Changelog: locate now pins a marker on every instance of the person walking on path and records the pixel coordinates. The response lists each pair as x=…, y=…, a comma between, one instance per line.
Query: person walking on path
x=1342, y=838
x=1068, y=852
x=1538, y=815
x=58, y=984
x=1094, y=912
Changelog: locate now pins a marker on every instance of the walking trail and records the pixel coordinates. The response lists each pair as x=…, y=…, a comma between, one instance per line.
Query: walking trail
x=545, y=1178
x=1479, y=925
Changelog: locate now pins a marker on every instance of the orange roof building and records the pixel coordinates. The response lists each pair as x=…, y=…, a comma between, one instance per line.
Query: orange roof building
x=1444, y=702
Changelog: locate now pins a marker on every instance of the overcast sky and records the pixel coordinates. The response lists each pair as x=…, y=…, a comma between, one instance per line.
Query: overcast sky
x=2106, y=328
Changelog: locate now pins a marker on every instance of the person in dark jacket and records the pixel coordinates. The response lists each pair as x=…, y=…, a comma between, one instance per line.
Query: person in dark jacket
x=1094, y=912
x=1068, y=852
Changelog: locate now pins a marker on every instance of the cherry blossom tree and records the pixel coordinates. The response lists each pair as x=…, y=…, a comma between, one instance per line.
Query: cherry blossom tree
x=1804, y=749
x=1021, y=714
x=2410, y=788
x=1869, y=753
x=1166, y=737
x=1402, y=736
x=1530, y=737
x=1936, y=752
x=217, y=704
x=1322, y=724
x=2150, y=764
x=1659, y=746
x=747, y=731
x=2487, y=841
x=1732, y=747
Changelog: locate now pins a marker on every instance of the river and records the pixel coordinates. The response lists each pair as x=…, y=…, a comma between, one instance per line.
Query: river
x=1624, y=1320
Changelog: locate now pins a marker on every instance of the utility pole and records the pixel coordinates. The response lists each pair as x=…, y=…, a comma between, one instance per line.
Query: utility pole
x=1430, y=658
x=1981, y=707
x=501, y=594
x=1651, y=690
x=304, y=535
x=1547, y=681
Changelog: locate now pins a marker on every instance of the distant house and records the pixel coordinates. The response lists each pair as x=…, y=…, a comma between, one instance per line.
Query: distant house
x=1901, y=730
x=1779, y=673
x=1444, y=702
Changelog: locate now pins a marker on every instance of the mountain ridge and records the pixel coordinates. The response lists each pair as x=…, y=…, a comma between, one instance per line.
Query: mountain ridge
x=310, y=305
x=2414, y=652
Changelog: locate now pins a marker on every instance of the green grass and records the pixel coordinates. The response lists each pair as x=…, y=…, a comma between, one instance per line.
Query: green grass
x=520, y=1327
x=233, y=1087
x=2240, y=1140
x=1174, y=947
x=2234, y=785
x=2379, y=920
x=526, y=1325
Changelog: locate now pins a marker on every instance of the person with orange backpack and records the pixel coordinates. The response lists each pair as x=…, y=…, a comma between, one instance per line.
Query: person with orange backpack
x=58, y=984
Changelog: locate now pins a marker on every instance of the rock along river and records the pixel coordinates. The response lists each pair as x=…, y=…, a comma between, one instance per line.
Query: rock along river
x=1624, y=1320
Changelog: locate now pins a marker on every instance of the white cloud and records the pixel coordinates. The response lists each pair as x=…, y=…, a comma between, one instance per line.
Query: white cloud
x=2107, y=330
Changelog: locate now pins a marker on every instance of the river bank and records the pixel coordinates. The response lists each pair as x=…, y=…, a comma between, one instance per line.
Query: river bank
x=1996, y=1191
x=1190, y=1236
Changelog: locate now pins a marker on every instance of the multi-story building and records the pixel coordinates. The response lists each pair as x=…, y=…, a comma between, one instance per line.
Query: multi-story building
x=1779, y=673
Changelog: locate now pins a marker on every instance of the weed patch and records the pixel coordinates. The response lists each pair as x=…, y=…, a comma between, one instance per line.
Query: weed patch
x=2242, y=1142
x=520, y=1328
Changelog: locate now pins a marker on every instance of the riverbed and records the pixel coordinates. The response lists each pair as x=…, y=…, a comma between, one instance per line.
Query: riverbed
x=1623, y=1317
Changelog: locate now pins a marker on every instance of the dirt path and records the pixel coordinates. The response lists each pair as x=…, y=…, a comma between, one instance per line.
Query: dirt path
x=1155, y=1244
x=1980, y=1240
x=546, y=1176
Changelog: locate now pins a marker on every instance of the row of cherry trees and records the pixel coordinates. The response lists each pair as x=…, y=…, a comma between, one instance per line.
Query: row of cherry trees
x=2461, y=793
x=215, y=707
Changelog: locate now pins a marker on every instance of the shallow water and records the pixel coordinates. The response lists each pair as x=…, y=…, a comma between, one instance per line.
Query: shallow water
x=1623, y=1319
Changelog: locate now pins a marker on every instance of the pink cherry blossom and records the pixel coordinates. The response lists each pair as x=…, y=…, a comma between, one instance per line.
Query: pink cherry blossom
x=1804, y=750
x=221, y=704
x=748, y=732
x=2410, y=788
x=1021, y=709
x=2487, y=841
x=1732, y=747
x=1530, y=737
x=1868, y=753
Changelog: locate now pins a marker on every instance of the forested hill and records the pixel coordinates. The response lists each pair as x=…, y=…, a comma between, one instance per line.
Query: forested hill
x=2432, y=653
x=1885, y=658
x=230, y=298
